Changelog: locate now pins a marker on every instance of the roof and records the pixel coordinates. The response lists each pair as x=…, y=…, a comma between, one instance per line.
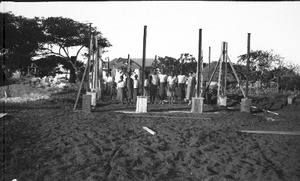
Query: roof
x=148, y=61
x=135, y=62
x=213, y=64
x=118, y=62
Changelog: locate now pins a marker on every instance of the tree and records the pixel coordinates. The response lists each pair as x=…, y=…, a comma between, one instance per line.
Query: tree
x=185, y=62
x=261, y=63
x=168, y=64
x=63, y=34
x=21, y=39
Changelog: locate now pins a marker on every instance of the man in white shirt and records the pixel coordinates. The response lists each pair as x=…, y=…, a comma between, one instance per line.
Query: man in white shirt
x=135, y=88
x=109, y=80
x=162, y=77
x=153, y=86
x=181, y=86
x=172, y=80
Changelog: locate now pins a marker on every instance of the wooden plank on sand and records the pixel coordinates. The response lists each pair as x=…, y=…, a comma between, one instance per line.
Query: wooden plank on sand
x=2, y=115
x=172, y=117
x=272, y=132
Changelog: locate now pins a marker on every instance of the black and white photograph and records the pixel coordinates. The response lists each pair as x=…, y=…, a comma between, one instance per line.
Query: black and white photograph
x=150, y=91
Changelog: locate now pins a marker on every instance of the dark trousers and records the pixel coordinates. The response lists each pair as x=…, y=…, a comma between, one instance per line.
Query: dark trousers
x=181, y=91
x=135, y=94
x=153, y=93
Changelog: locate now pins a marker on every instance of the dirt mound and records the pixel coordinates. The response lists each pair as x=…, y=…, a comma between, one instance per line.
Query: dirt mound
x=270, y=103
x=19, y=90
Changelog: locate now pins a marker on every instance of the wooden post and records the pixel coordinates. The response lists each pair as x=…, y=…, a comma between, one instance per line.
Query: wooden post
x=128, y=61
x=197, y=101
x=99, y=71
x=225, y=46
x=199, y=65
x=144, y=59
x=246, y=102
x=108, y=71
x=142, y=102
x=201, y=75
x=89, y=59
x=96, y=64
x=209, y=51
x=219, y=78
x=248, y=68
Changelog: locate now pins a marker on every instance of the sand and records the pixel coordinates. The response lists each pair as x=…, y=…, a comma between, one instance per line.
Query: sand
x=47, y=140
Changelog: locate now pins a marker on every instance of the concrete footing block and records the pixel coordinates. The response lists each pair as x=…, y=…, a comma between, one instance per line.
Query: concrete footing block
x=291, y=99
x=141, y=104
x=222, y=101
x=197, y=105
x=246, y=105
x=86, y=103
x=93, y=97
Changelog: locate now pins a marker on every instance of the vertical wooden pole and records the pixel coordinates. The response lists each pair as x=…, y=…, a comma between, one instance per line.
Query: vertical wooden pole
x=201, y=75
x=248, y=68
x=199, y=65
x=89, y=59
x=108, y=71
x=225, y=67
x=91, y=82
x=100, y=72
x=220, y=74
x=155, y=60
x=209, y=52
x=96, y=64
x=128, y=61
x=144, y=59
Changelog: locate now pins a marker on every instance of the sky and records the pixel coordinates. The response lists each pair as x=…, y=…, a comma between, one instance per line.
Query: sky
x=173, y=26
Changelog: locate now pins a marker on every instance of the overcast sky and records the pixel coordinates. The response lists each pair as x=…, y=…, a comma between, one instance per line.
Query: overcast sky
x=173, y=27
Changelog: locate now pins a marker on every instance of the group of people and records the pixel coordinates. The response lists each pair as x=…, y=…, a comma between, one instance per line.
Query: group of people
x=156, y=86
x=126, y=89
x=162, y=85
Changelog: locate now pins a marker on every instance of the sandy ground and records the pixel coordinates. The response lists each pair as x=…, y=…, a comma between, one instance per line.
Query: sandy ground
x=46, y=140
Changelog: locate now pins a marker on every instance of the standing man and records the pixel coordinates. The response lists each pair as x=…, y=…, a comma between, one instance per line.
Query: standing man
x=153, y=86
x=190, y=87
x=172, y=80
x=129, y=88
x=181, y=86
x=135, y=88
x=162, y=78
x=147, y=86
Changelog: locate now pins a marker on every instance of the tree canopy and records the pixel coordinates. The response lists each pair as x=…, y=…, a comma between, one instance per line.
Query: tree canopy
x=21, y=39
x=63, y=34
x=185, y=63
x=45, y=39
x=266, y=66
